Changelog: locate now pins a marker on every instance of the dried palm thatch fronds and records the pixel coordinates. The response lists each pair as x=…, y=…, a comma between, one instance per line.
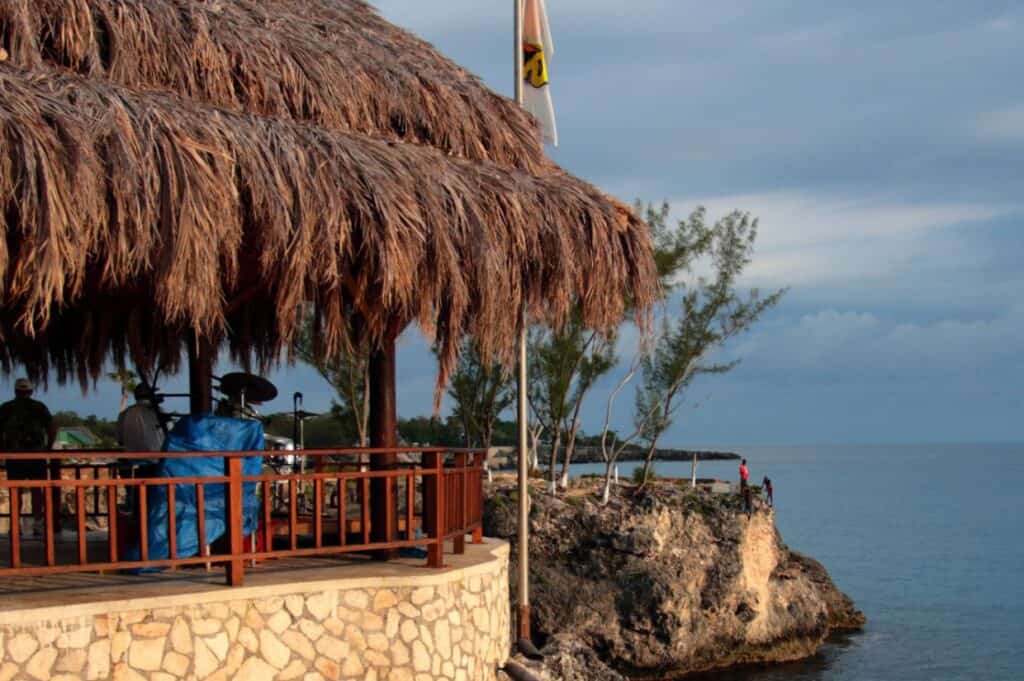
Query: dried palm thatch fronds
x=131, y=217
x=335, y=63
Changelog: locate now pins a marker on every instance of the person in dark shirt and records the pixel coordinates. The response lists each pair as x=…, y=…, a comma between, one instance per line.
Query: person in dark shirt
x=767, y=485
x=27, y=426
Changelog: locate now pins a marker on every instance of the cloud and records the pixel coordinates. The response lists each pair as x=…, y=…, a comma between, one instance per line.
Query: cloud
x=1004, y=24
x=858, y=346
x=808, y=239
x=1003, y=125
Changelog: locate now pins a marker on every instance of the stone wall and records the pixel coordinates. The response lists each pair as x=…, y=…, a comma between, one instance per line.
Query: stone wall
x=451, y=625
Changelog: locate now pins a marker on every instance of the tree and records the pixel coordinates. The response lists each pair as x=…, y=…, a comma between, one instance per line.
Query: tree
x=429, y=430
x=128, y=380
x=598, y=359
x=566, y=363
x=675, y=249
x=713, y=311
x=481, y=391
x=348, y=373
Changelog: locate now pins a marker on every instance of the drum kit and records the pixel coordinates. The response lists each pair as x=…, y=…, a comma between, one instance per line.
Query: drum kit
x=240, y=394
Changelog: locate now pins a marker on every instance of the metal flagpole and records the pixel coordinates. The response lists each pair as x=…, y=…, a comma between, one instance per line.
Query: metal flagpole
x=523, y=614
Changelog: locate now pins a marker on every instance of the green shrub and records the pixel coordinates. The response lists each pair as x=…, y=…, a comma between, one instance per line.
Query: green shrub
x=638, y=475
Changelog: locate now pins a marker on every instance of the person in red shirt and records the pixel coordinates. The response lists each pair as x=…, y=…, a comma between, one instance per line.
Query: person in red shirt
x=745, y=487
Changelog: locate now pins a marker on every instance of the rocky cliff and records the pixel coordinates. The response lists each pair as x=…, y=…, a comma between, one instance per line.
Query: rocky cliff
x=666, y=582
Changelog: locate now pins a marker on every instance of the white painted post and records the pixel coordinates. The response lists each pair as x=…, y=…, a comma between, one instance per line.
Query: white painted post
x=522, y=386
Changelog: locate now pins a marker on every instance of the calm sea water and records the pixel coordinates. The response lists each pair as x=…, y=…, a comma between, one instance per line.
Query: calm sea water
x=927, y=540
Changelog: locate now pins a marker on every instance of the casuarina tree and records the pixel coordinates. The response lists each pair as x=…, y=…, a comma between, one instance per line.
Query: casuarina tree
x=713, y=310
x=566, y=364
x=481, y=390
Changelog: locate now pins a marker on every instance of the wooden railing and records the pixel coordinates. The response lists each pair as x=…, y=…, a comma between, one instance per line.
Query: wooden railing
x=323, y=511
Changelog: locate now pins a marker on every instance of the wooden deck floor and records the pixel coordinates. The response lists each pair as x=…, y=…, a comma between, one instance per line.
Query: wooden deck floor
x=33, y=552
x=58, y=595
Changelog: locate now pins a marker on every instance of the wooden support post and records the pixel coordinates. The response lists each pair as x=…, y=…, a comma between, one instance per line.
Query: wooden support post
x=233, y=507
x=383, y=433
x=433, y=507
x=201, y=354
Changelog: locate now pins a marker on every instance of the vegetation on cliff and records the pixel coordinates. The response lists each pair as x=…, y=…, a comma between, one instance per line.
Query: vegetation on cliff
x=666, y=581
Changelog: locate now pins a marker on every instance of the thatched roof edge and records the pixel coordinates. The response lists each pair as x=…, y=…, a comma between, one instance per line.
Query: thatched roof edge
x=131, y=217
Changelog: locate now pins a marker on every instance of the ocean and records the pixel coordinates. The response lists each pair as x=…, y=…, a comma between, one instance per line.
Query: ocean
x=926, y=539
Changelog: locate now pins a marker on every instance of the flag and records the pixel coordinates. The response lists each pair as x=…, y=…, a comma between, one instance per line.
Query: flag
x=537, y=51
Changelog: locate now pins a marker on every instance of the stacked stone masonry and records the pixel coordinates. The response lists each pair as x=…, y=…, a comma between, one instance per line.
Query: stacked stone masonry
x=454, y=630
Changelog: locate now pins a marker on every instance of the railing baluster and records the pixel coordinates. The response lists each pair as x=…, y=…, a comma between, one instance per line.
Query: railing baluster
x=342, y=511
x=201, y=520
x=364, y=503
x=268, y=527
x=390, y=501
x=143, y=523
x=48, y=530
x=83, y=549
x=293, y=513
x=172, y=524
x=112, y=522
x=410, y=507
x=318, y=512
x=96, y=493
x=15, y=532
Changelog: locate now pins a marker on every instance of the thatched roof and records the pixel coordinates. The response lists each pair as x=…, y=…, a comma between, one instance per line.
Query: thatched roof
x=335, y=63
x=132, y=216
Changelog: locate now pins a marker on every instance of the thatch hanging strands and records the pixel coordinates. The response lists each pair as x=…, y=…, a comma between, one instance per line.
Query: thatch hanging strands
x=335, y=63
x=132, y=216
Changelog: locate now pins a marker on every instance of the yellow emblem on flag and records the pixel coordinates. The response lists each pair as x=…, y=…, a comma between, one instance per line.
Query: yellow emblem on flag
x=535, y=65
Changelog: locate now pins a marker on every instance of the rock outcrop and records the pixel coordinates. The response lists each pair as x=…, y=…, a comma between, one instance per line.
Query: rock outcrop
x=666, y=582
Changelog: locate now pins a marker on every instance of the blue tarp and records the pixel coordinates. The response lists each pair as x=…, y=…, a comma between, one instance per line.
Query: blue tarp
x=204, y=433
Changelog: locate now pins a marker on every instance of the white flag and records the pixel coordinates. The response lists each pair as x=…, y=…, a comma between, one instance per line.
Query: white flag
x=537, y=51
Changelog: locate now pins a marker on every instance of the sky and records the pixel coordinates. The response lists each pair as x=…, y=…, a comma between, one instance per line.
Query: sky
x=881, y=146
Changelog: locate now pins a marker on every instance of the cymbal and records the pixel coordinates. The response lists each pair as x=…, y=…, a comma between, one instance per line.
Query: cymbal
x=256, y=388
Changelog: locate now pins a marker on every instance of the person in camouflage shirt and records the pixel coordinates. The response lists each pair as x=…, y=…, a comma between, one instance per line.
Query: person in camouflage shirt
x=27, y=426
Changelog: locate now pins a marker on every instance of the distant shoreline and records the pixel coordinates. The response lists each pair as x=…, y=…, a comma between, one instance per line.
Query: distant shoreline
x=593, y=455
x=590, y=454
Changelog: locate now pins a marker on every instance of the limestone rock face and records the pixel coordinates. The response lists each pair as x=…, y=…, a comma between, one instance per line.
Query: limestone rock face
x=669, y=581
